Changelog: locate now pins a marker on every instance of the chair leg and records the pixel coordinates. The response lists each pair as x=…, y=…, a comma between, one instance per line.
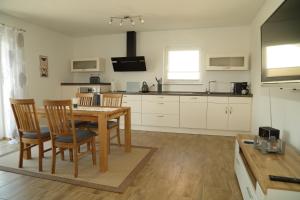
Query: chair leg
x=75, y=162
x=118, y=136
x=42, y=144
x=88, y=146
x=21, y=154
x=93, y=150
x=41, y=152
x=71, y=154
x=53, y=159
x=62, y=154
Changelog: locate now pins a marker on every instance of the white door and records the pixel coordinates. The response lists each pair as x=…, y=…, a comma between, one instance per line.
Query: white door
x=217, y=116
x=239, y=117
x=193, y=115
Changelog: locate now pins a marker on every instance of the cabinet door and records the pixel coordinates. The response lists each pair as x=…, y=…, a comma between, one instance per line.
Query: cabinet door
x=217, y=116
x=193, y=115
x=239, y=117
x=69, y=92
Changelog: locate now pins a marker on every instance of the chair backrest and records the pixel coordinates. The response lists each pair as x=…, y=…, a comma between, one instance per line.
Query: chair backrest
x=111, y=100
x=85, y=99
x=25, y=115
x=60, y=117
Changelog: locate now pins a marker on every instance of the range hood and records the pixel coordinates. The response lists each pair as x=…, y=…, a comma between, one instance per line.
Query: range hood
x=131, y=62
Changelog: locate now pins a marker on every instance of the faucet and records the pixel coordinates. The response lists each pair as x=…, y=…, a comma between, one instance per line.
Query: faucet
x=209, y=82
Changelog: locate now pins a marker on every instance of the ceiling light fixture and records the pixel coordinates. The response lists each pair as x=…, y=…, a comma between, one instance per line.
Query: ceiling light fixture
x=131, y=19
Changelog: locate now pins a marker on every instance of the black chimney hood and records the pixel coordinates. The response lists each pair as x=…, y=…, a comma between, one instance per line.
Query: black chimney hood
x=131, y=62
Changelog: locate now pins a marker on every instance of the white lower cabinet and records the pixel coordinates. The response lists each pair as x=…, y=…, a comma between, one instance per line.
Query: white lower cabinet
x=160, y=110
x=135, y=103
x=229, y=113
x=193, y=111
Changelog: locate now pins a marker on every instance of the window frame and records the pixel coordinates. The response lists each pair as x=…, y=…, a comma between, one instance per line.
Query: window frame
x=166, y=65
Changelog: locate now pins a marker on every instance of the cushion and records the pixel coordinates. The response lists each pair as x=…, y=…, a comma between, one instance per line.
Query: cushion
x=110, y=124
x=81, y=135
x=32, y=135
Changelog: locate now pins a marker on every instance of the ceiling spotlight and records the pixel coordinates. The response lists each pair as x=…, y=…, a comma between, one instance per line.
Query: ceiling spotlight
x=110, y=21
x=132, y=22
x=142, y=20
x=121, y=22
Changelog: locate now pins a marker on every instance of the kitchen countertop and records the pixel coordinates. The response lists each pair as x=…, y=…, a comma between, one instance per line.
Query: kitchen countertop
x=85, y=84
x=220, y=94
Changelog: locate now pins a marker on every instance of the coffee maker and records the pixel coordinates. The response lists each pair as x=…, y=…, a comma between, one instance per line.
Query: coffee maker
x=240, y=88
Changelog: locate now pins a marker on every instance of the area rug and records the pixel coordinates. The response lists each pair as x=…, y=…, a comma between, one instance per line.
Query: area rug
x=123, y=168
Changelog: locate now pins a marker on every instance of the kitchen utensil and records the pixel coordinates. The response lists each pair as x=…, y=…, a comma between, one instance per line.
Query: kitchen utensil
x=145, y=87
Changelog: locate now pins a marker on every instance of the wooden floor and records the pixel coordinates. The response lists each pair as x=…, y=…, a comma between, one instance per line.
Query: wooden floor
x=185, y=167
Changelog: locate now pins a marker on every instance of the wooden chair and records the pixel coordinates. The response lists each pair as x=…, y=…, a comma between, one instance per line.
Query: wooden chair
x=85, y=99
x=110, y=100
x=63, y=135
x=30, y=133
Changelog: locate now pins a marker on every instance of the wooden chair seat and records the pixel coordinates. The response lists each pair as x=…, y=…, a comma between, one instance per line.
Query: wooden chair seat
x=94, y=125
x=80, y=136
x=45, y=133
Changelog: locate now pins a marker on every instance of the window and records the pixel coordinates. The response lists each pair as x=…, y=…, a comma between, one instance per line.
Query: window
x=182, y=65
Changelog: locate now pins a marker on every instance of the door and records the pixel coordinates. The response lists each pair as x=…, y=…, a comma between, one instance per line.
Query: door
x=217, y=116
x=239, y=117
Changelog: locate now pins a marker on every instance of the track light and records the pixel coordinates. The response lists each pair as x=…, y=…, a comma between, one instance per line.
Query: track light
x=131, y=19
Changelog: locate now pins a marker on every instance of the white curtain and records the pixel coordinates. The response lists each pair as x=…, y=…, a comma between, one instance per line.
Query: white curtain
x=12, y=76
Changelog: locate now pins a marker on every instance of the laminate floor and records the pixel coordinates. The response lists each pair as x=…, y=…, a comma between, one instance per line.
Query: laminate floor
x=185, y=167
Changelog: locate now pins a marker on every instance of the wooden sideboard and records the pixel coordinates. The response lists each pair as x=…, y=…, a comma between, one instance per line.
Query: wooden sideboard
x=253, y=168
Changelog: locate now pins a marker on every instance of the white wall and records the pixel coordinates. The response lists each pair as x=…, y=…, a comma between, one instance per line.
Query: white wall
x=152, y=45
x=41, y=41
x=285, y=103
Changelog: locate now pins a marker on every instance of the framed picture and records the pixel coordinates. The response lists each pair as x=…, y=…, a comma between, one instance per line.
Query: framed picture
x=44, y=66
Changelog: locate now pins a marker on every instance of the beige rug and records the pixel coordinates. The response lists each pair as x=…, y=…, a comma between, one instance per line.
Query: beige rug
x=123, y=167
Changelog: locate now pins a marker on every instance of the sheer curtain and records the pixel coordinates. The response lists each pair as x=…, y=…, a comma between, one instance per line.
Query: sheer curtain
x=12, y=76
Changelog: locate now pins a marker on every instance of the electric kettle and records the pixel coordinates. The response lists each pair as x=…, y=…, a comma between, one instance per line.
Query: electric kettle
x=145, y=87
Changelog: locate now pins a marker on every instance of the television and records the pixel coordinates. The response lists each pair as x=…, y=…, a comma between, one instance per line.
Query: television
x=280, y=44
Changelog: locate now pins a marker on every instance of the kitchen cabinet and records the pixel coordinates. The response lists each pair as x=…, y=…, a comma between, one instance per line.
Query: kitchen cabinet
x=88, y=65
x=193, y=111
x=229, y=113
x=160, y=110
x=135, y=103
x=227, y=62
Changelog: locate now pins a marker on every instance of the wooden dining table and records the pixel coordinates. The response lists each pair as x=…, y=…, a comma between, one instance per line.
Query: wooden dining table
x=102, y=115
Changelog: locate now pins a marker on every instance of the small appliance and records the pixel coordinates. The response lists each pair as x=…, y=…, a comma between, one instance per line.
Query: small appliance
x=268, y=141
x=240, y=87
x=94, y=79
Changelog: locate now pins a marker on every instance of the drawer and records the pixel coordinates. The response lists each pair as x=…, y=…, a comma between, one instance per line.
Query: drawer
x=193, y=99
x=136, y=106
x=155, y=107
x=217, y=99
x=136, y=119
x=127, y=97
x=246, y=100
x=160, y=120
x=160, y=98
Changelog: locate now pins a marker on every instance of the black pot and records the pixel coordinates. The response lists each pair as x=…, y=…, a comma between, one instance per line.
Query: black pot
x=145, y=87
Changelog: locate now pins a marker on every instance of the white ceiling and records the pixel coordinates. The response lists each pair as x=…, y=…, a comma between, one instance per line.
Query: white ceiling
x=90, y=17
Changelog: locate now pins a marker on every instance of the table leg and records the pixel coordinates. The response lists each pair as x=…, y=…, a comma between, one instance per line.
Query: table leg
x=128, y=130
x=102, y=132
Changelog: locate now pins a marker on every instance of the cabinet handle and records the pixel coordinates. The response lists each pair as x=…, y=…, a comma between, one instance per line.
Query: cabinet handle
x=124, y=102
x=249, y=193
x=160, y=103
x=194, y=98
x=161, y=97
x=230, y=110
x=160, y=116
x=226, y=110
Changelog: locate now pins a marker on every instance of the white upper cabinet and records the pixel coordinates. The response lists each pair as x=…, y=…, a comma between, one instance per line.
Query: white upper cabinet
x=88, y=65
x=227, y=62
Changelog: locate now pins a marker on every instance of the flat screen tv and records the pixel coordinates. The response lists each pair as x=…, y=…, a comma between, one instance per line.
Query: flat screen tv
x=280, y=44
